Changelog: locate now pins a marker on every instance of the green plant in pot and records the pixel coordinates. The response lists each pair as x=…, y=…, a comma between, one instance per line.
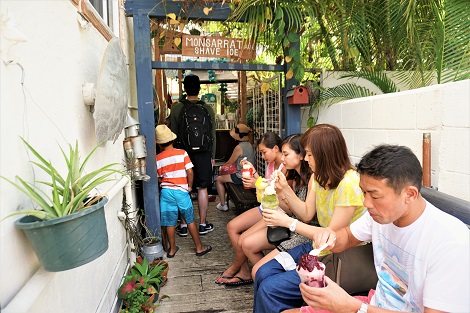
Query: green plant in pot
x=137, y=295
x=69, y=227
x=152, y=247
x=162, y=265
x=140, y=289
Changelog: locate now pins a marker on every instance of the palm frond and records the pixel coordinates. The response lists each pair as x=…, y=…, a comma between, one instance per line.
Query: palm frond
x=342, y=92
x=379, y=79
x=455, y=63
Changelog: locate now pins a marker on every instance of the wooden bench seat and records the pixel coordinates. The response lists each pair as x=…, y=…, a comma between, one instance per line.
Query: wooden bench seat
x=244, y=199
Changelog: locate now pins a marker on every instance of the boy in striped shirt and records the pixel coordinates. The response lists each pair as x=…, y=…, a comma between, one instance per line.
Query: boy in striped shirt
x=175, y=175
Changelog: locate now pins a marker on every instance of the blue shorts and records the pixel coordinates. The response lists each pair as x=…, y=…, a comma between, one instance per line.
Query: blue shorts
x=173, y=201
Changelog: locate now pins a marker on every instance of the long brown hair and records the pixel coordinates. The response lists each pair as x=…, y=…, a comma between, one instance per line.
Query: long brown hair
x=302, y=178
x=328, y=147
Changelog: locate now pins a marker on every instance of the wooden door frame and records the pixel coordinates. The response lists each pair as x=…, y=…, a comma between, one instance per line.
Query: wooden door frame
x=142, y=11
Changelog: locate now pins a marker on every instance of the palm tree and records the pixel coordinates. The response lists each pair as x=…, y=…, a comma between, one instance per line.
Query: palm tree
x=428, y=38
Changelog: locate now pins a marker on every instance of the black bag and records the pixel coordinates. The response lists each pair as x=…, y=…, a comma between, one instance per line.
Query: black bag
x=195, y=127
x=352, y=269
x=277, y=234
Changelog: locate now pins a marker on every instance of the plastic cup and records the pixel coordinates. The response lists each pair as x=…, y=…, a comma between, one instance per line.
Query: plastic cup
x=247, y=172
x=260, y=185
x=311, y=271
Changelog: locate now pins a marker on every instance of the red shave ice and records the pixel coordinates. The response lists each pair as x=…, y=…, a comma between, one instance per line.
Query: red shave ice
x=311, y=271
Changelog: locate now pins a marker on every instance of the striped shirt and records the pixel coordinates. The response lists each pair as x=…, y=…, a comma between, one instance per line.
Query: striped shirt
x=171, y=167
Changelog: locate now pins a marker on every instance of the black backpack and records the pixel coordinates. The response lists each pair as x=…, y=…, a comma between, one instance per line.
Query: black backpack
x=195, y=127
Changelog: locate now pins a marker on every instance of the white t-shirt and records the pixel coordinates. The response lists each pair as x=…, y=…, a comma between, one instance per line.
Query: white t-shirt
x=425, y=264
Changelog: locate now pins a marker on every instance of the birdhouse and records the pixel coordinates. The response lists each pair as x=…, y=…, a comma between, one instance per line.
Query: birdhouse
x=297, y=95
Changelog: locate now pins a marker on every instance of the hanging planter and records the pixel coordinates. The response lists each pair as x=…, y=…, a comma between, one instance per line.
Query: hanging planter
x=70, y=241
x=68, y=229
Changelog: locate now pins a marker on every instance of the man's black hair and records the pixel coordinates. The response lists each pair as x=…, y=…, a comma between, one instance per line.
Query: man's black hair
x=397, y=164
x=192, y=85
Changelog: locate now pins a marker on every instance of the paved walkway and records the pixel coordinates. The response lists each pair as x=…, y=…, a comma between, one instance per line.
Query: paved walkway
x=191, y=286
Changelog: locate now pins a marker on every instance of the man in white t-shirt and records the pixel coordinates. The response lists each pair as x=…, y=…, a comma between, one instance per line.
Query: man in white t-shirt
x=421, y=254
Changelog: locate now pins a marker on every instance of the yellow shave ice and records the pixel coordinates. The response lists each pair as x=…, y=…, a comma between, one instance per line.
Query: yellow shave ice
x=260, y=184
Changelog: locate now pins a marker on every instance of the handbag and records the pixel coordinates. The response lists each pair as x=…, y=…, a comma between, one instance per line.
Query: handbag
x=278, y=234
x=353, y=269
x=228, y=169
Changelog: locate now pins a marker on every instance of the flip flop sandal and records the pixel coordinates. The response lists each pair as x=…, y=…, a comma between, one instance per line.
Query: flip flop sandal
x=221, y=275
x=168, y=255
x=240, y=282
x=208, y=249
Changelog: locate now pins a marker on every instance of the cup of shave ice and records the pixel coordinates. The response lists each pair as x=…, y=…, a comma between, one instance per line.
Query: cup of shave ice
x=311, y=271
x=260, y=184
x=247, y=172
x=269, y=199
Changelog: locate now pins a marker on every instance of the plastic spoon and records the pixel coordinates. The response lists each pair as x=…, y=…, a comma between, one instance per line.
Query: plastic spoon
x=276, y=173
x=317, y=251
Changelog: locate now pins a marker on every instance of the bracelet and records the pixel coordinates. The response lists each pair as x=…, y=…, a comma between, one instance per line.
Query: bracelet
x=284, y=199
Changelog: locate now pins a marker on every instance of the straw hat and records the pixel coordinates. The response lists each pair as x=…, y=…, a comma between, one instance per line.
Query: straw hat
x=240, y=132
x=163, y=134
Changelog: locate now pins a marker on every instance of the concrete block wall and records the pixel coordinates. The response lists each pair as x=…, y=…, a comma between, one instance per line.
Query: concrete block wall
x=402, y=118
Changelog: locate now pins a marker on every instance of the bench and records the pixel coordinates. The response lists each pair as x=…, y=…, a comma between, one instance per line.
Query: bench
x=244, y=199
x=454, y=206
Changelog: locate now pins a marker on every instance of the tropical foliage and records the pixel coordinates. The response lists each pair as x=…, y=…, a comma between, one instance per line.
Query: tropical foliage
x=140, y=289
x=429, y=37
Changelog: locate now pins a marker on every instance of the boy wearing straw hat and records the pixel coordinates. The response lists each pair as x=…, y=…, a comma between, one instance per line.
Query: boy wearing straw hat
x=175, y=175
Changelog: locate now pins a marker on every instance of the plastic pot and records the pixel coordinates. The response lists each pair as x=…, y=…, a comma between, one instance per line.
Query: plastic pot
x=69, y=241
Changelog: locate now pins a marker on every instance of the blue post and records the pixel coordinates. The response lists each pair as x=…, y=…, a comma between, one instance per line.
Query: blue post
x=292, y=112
x=143, y=68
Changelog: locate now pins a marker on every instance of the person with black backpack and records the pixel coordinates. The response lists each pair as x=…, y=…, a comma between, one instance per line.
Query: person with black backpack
x=194, y=123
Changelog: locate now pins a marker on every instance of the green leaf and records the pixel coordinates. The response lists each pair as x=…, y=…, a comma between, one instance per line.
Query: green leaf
x=279, y=13
x=293, y=37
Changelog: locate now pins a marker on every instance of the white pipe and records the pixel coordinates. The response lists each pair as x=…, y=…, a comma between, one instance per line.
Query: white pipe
x=25, y=298
x=117, y=187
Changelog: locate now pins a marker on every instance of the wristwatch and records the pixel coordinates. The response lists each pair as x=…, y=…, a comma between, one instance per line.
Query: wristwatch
x=364, y=307
x=293, y=225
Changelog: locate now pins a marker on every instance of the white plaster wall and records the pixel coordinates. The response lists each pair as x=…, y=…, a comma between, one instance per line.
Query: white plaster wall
x=41, y=100
x=402, y=118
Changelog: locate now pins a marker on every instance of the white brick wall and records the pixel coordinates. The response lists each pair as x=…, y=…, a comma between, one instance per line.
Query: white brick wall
x=402, y=118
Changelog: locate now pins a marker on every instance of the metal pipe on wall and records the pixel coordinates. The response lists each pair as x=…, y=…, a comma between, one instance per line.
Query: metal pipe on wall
x=427, y=159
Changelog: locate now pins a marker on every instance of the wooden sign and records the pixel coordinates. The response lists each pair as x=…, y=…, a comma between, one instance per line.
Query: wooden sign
x=217, y=47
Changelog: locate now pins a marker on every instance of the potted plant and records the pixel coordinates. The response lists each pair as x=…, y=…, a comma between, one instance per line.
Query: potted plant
x=69, y=227
x=164, y=265
x=140, y=289
x=152, y=247
x=137, y=295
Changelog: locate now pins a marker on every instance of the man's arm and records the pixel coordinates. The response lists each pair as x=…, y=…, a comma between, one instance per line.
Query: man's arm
x=337, y=241
x=214, y=141
x=334, y=299
x=174, y=117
